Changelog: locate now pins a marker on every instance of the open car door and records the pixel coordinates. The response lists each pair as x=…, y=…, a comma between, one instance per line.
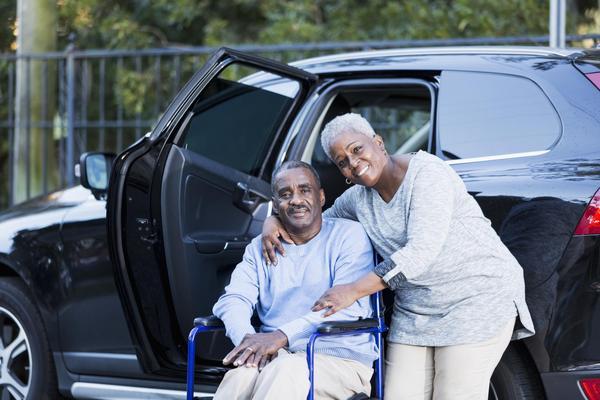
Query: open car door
x=184, y=201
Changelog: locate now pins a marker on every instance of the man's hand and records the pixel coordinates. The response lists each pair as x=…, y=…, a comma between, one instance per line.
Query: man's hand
x=257, y=350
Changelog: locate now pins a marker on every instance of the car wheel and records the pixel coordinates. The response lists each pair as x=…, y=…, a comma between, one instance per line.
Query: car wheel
x=26, y=366
x=515, y=377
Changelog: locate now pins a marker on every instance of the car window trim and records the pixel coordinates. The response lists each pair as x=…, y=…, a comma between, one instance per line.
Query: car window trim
x=497, y=157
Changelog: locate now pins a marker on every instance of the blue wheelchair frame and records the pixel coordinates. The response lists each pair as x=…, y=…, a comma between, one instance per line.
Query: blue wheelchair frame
x=375, y=326
x=202, y=324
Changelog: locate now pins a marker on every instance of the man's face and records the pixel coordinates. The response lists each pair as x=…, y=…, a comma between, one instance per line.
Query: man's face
x=298, y=199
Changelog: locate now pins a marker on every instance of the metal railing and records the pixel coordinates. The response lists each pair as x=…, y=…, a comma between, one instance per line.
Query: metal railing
x=55, y=106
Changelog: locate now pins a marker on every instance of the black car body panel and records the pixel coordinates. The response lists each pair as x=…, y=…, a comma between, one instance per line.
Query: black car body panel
x=115, y=305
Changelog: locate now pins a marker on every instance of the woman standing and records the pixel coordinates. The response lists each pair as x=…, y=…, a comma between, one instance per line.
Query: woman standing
x=458, y=289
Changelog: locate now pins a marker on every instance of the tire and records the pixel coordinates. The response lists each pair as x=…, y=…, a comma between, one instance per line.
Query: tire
x=516, y=377
x=26, y=365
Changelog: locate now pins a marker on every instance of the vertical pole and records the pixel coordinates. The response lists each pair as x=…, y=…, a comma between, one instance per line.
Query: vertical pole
x=70, y=113
x=37, y=34
x=138, y=111
x=62, y=113
x=27, y=114
x=119, y=108
x=43, y=125
x=84, y=65
x=175, y=81
x=157, y=104
x=12, y=130
x=101, y=117
x=557, y=23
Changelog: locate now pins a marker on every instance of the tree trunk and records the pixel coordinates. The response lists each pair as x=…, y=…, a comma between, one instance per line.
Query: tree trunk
x=34, y=155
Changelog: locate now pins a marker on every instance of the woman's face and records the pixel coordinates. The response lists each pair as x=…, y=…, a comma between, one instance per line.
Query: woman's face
x=359, y=157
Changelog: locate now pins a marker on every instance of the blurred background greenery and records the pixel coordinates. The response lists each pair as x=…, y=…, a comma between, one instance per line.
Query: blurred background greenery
x=119, y=95
x=134, y=24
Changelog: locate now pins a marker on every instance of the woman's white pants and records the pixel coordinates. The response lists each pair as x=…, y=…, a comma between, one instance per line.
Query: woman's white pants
x=460, y=372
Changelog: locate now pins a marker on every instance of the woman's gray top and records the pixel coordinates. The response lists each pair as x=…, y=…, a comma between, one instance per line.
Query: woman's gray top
x=454, y=280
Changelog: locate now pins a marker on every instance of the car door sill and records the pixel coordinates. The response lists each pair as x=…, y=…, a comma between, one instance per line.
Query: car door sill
x=86, y=390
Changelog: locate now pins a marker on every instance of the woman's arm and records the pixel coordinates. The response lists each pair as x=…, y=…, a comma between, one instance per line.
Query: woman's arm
x=272, y=231
x=429, y=217
x=341, y=296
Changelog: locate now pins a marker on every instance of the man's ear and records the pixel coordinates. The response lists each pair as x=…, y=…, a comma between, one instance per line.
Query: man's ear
x=322, y=197
x=275, y=206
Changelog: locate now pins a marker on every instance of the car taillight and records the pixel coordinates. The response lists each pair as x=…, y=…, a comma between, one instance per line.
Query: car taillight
x=594, y=77
x=591, y=388
x=589, y=224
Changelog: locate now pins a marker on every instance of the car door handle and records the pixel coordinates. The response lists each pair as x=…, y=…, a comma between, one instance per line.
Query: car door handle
x=252, y=192
x=209, y=246
x=214, y=246
x=247, y=198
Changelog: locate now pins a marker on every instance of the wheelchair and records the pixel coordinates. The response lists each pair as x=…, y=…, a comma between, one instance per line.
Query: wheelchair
x=374, y=325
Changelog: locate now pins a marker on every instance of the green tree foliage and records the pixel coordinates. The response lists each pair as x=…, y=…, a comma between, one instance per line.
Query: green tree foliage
x=379, y=19
x=138, y=89
x=158, y=23
x=144, y=23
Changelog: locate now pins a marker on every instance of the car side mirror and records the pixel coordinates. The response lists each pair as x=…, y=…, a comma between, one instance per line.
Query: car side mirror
x=94, y=171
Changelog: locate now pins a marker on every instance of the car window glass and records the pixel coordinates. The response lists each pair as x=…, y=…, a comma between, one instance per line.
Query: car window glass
x=398, y=125
x=484, y=114
x=237, y=116
x=401, y=115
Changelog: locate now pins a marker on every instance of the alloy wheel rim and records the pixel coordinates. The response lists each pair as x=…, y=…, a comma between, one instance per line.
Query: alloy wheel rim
x=15, y=358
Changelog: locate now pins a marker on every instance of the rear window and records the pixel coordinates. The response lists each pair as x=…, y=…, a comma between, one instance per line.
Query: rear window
x=485, y=114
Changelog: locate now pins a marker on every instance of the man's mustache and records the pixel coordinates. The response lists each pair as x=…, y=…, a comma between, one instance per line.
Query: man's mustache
x=298, y=208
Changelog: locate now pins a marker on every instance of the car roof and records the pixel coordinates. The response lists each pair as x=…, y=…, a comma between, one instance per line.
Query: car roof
x=323, y=63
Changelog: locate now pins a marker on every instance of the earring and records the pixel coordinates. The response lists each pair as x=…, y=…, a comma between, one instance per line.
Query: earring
x=348, y=181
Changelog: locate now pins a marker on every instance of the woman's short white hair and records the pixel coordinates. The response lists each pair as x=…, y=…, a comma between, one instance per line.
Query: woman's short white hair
x=350, y=122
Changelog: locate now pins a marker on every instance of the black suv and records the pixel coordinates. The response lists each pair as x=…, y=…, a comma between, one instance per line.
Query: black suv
x=100, y=283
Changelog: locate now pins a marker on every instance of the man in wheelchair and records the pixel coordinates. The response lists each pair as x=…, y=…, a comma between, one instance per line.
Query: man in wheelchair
x=326, y=252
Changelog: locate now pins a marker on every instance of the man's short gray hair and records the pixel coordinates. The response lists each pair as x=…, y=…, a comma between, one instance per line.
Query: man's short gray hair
x=292, y=164
x=350, y=122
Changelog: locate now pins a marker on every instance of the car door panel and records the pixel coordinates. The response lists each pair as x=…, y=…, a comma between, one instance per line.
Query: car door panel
x=184, y=208
x=196, y=200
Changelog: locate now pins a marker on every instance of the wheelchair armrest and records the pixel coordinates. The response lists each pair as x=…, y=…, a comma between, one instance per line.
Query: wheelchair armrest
x=346, y=326
x=210, y=321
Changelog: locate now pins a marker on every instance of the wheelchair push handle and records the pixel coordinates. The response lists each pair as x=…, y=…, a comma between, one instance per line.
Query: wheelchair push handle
x=209, y=321
x=334, y=327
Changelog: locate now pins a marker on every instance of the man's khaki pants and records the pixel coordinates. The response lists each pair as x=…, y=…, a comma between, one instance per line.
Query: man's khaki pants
x=286, y=377
x=459, y=372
